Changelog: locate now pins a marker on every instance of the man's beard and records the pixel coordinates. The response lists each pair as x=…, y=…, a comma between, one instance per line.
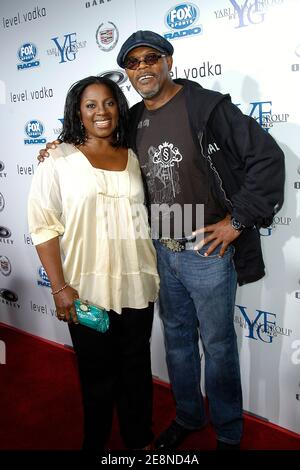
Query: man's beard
x=149, y=94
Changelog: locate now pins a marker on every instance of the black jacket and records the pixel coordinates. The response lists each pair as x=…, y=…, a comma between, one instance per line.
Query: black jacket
x=245, y=165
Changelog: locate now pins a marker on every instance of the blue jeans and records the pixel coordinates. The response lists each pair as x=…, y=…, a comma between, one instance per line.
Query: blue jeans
x=197, y=295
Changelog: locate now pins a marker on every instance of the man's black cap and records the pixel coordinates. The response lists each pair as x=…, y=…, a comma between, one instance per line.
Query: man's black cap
x=144, y=38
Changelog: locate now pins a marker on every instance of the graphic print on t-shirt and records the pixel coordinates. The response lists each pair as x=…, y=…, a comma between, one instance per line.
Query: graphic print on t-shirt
x=161, y=170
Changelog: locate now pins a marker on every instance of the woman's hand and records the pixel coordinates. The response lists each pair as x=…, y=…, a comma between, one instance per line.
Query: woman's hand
x=65, y=309
x=43, y=153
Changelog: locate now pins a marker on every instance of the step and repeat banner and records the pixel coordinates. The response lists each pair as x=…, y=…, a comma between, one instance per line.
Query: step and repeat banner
x=248, y=48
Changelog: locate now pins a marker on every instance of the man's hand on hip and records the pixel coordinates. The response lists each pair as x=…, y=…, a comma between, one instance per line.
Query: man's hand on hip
x=221, y=233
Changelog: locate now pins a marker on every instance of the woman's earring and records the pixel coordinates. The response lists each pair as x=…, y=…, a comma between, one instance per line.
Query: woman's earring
x=117, y=134
x=83, y=135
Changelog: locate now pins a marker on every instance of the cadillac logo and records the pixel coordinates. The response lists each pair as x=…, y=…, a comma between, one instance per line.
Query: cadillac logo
x=107, y=36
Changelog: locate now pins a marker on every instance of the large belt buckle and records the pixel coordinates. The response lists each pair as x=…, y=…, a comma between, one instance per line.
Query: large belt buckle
x=173, y=245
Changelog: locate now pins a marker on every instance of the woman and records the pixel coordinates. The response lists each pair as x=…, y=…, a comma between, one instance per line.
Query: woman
x=89, y=224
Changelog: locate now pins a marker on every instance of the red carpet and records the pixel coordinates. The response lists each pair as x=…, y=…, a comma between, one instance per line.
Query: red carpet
x=40, y=407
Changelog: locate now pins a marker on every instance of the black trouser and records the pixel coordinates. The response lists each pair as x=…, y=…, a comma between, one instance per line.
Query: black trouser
x=115, y=369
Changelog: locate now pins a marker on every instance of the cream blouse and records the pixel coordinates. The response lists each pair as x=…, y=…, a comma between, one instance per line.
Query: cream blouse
x=100, y=217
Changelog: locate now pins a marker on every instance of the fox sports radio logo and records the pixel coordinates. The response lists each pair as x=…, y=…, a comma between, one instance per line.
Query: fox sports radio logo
x=43, y=278
x=27, y=55
x=181, y=20
x=34, y=129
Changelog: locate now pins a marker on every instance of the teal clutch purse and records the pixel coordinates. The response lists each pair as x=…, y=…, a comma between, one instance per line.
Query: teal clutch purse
x=91, y=315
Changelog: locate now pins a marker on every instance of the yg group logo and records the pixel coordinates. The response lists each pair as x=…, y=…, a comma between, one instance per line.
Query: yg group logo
x=283, y=221
x=250, y=12
x=262, y=112
x=263, y=327
x=67, y=48
x=247, y=12
x=180, y=18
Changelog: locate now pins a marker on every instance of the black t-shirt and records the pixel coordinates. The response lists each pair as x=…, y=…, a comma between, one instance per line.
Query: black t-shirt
x=175, y=173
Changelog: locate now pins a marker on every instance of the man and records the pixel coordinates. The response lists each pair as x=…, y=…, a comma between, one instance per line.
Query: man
x=196, y=148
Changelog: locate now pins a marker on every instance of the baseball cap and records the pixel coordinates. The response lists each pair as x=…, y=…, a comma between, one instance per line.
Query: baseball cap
x=144, y=38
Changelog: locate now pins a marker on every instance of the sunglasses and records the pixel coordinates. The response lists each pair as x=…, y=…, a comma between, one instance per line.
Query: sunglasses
x=132, y=63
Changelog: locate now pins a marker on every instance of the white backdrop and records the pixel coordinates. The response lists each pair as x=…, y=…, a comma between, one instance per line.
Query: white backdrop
x=249, y=48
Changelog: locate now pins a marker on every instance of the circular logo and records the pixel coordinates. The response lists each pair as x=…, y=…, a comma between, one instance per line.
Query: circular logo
x=34, y=128
x=84, y=308
x=27, y=52
x=107, y=36
x=8, y=295
x=181, y=16
x=4, y=232
x=2, y=166
x=117, y=76
x=2, y=202
x=5, y=266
